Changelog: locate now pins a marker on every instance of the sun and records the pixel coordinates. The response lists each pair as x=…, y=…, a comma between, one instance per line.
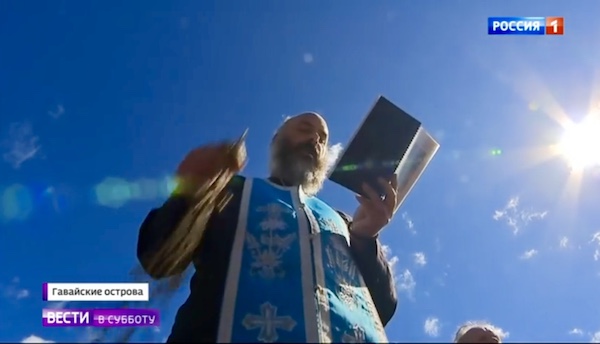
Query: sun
x=580, y=144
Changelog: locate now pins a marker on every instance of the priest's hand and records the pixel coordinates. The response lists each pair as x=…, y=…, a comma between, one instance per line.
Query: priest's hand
x=375, y=212
x=204, y=163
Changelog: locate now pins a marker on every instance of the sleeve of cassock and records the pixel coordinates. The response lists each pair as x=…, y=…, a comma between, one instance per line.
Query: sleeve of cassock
x=375, y=269
x=160, y=223
x=156, y=229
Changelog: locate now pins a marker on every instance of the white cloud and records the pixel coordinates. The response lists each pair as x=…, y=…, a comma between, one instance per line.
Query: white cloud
x=595, y=338
x=432, y=327
x=20, y=145
x=13, y=291
x=564, y=241
x=58, y=112
x=409, y=223
x=515, y=217
x=405, y=283
x=35, y=339
x=529, y=254
x=392, y=260
x=22, y=293
x=420, y=259
x=308, y=58
x=596, y=239
x=576, y=332
x=441, y=280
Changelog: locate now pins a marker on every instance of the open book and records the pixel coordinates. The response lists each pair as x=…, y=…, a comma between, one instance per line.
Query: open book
x=389, y=141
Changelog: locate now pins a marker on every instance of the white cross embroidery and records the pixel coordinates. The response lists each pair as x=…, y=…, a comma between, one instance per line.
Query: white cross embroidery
x=268, y=322
x=338, y=258
x=268, y=248
x=273, y=219
x=342, y=268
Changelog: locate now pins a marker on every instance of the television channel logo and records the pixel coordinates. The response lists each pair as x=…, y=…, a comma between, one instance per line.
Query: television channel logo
x=526, y=25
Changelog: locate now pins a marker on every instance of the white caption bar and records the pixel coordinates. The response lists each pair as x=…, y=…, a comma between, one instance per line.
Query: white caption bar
x=95, y=292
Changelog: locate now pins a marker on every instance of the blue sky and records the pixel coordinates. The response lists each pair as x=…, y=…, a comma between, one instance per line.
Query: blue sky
x=92, y=90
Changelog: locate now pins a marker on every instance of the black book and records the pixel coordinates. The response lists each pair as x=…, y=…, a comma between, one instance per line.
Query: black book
x=388, y=142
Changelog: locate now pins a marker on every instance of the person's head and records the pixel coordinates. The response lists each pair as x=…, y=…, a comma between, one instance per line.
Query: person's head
x=299, y=152
x=479, y=332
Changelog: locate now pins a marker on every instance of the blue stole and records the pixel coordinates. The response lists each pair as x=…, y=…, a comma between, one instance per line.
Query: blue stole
x=291, y=276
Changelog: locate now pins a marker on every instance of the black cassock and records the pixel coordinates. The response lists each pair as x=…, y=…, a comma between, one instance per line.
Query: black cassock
x=198, y=318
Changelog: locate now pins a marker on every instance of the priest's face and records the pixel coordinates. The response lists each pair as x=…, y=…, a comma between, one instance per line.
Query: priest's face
x=299, y=152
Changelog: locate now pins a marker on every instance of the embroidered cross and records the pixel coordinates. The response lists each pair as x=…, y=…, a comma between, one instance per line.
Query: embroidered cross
x=273, y=220
x=268, y=322
x=267, y=249
x=339, y=260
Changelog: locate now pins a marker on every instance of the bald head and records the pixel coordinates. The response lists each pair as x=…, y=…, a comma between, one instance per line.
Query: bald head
x=304, y=127
x=478, y=333
x=299, y=152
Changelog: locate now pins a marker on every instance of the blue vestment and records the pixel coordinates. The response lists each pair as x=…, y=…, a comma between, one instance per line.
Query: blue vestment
x=291, y=276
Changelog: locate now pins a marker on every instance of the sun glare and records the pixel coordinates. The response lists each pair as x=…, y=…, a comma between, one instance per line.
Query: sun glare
x=580, y=144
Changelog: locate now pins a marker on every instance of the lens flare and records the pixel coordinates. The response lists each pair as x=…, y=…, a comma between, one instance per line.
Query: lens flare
x=16, y=203
x=113, y=192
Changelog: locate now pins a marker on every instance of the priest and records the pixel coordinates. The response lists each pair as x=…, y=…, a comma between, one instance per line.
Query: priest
x=278, y=264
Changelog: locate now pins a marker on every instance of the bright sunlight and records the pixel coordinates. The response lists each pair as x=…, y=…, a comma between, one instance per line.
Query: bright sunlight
x=580, y=144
